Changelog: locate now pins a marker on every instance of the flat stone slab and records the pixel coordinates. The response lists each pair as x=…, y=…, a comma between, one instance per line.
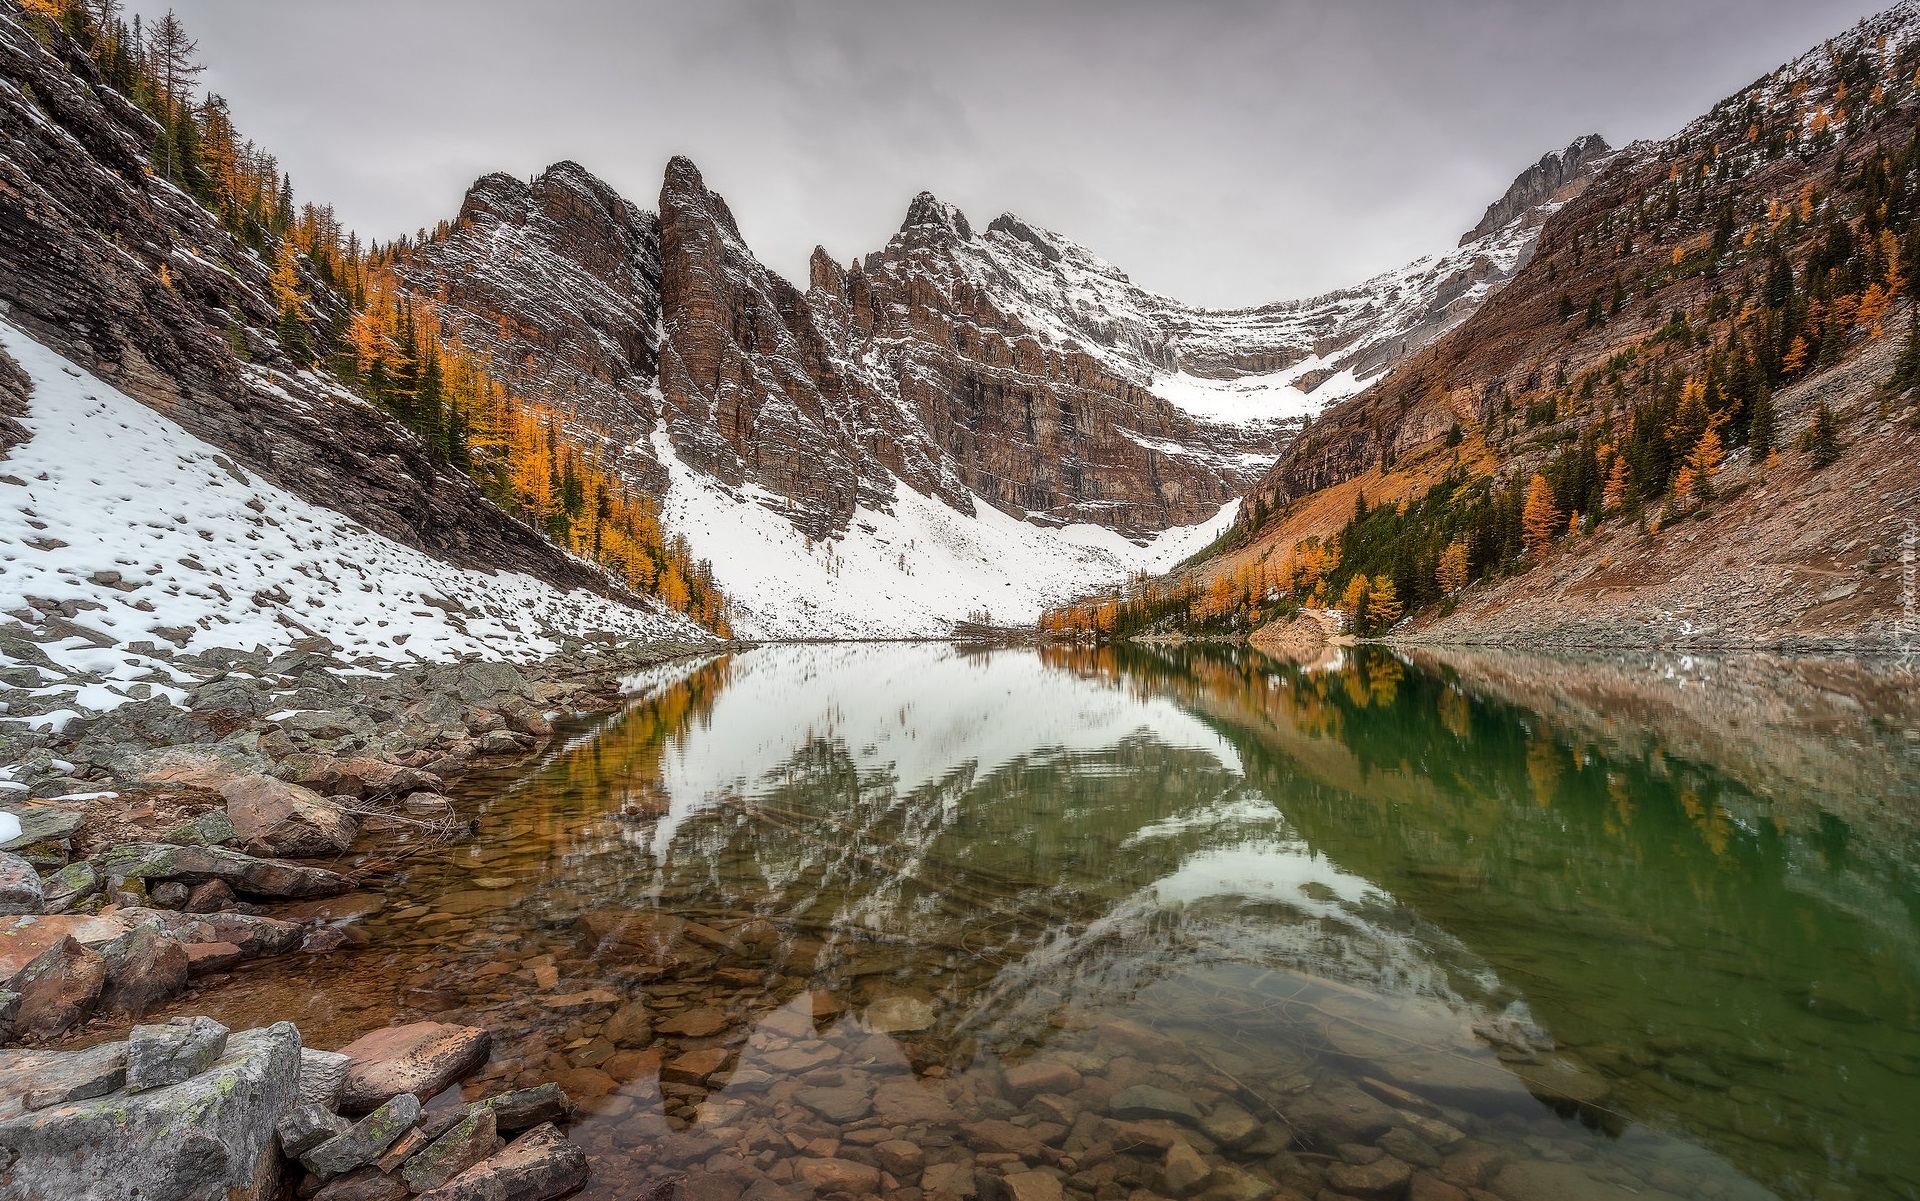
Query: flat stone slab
x=211, y=1136
x=24, y=938
x=244, y=873
x=31, y=1080
x=1146, y=1101
x=42, y=823
x=421, y=1058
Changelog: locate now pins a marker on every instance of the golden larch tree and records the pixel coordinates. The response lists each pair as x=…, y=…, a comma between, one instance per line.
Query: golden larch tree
x=1540, y=519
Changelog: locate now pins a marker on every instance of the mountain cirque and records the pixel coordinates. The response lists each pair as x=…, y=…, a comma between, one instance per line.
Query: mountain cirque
x=1003, y=365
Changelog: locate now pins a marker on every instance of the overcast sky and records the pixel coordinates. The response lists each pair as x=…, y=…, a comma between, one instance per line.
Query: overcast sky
x=1221, y=152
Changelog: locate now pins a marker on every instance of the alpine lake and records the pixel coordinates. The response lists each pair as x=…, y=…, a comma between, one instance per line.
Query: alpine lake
x=1060, y=924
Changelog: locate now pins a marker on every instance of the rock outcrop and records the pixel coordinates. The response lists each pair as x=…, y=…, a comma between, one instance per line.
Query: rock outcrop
x=1546, y=182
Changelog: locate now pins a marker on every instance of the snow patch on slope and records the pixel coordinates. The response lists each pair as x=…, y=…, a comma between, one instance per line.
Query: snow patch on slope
x=912, y=572
x=128, y=530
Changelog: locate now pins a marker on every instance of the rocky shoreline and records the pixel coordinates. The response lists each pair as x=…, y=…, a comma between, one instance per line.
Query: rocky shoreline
x=160, y=844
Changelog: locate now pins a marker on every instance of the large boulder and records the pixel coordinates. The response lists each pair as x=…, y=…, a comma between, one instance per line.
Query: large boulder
x=58, y=991
x=273, y=818
x=211, y=1136
x=243, y=873
x=146, y=967
x=421, y=1058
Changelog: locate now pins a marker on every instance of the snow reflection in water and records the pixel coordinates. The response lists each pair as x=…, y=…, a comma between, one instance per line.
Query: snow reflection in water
x=844, y=919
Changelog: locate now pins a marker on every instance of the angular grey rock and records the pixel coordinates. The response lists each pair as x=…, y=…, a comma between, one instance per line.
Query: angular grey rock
x=245, y=873
x=146, y=967
x=162, y=1056
x=77, y=1076
x=323, y=1074
x=210, y=829
x=525, y=1108
x=69, y=886
x=471, y=1140
x=211, y=1137
x=9, y=1013
x=20, y=887
x=171, y=895
x=538, y=1166
x=306, y=1127
x=366, y=1141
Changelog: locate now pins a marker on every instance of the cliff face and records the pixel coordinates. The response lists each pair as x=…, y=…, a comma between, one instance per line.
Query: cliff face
x=557, y=283
x=1543, y=183
x=131, y=278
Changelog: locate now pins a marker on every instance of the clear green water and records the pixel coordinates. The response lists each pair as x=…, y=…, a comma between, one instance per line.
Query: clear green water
x=1650, y=942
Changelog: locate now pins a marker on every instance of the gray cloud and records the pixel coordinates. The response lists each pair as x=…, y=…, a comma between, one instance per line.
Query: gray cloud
x=1219, y=151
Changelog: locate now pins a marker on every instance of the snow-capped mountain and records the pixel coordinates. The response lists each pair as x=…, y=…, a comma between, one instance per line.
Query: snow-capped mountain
x=968, y=419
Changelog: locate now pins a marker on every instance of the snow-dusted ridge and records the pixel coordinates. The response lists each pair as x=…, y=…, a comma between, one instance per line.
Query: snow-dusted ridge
x=124, y=539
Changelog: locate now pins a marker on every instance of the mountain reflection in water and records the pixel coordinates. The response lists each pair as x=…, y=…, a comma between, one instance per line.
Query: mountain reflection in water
x=809, y=913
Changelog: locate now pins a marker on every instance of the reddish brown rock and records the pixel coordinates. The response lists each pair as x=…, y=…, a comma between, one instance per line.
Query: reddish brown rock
x=58, y=991
x=840, y=1176
x=206, y=958
x=695, y=1066
x=1036, y=1076
x=276, y=819
x=422, y=1058
x=1385, y=1179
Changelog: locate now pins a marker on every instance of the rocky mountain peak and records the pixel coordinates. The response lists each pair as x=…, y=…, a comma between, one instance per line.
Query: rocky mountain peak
x=1541, y=183
x=685, y=191
x=928, y=213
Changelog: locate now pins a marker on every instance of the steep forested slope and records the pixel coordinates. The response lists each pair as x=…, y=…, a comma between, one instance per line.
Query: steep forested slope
x=1686, y=419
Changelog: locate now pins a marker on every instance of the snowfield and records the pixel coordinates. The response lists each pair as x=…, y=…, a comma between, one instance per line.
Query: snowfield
x=909, y=573
x=135, y=540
